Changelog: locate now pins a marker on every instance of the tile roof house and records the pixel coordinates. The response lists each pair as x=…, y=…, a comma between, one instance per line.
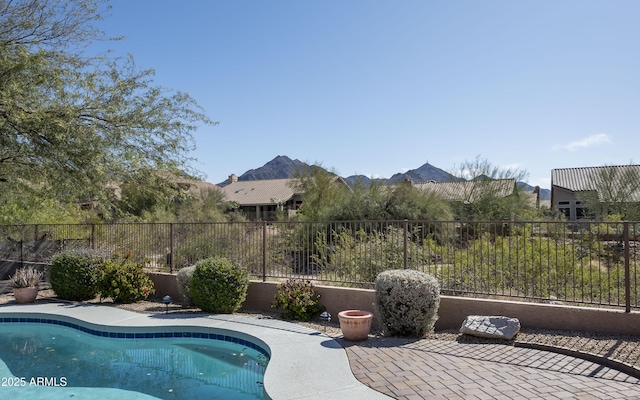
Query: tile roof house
x=609, y=183
x=481, y=198
x=467, y=192
x=261, y=199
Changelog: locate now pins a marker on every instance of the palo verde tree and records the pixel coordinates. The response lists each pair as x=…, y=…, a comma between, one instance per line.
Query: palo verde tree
x=407, y=202
x=489, y=192
x=71, y=122
x=377, y=201
x=363, y=202
x=320, y=189
x=615, y=190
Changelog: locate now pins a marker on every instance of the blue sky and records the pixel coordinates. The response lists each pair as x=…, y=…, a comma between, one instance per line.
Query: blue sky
x=378, y=87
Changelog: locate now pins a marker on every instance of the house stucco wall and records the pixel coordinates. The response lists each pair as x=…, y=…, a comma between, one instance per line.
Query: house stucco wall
x=560, y=195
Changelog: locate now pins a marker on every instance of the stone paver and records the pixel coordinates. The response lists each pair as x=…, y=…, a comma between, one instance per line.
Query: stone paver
x=434, y=369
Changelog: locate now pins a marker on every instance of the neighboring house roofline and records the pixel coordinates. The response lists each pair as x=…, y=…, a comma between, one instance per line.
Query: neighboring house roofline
x=569, y=186
x=581, y=179
x=260, y=192
x=466, y=191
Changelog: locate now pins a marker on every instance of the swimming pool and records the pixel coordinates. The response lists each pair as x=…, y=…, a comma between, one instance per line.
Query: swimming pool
x=42, y=353
x=302, y=361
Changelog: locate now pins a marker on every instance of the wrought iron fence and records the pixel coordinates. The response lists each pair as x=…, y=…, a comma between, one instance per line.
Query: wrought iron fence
x=585, y=262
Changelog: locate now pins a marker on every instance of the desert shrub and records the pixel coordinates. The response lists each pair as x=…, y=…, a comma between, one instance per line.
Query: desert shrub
x=523, y=264
x=407, y=302
x=219, y=285
x=199, y=248
x=74, y=274
x=234, y=241
x=183, y=278
x=359, y=256
x=124, y=281
x=298, y=300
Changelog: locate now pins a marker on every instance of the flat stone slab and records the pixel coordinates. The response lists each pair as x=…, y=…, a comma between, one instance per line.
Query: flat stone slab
x=493, y=327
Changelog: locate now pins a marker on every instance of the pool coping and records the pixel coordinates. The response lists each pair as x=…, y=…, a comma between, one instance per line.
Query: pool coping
x=303, y=364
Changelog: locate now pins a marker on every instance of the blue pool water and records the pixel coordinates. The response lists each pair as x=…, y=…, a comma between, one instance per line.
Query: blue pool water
x=52, y=361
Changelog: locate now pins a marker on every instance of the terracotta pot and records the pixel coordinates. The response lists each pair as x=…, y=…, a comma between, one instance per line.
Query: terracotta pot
x=355, y=324
x=25, y=295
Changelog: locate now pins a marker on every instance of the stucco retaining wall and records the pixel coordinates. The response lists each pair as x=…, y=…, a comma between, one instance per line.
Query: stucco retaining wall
x=452, y=311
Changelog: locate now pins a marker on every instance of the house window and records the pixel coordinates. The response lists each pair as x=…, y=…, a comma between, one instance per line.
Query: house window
x=565, y=208
x=581, y=211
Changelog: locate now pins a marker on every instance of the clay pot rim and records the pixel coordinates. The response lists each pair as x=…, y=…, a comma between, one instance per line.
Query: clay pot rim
x=361, y=314
x=25, y=294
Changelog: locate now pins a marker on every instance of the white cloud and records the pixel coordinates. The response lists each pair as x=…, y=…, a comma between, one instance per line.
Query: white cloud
x=589, y=141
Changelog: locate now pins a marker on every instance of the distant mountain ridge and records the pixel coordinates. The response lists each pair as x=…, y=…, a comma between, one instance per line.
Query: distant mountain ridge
x=425, y=173
x=283, y=167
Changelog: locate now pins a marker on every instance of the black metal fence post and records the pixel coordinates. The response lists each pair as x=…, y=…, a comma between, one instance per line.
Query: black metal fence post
x=627, y=269
x=171, y=249
x=93, y=236
x=264, y=251
x=405, y=244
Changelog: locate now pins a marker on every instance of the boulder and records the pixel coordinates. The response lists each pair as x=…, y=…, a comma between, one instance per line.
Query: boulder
x=494, y=327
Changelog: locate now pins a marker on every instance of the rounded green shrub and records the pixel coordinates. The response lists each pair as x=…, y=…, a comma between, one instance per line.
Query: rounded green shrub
x=298, y=300
x=74, y=274
x=219, y=285
x=407, y=302
x=124, y=281
x=183, y=278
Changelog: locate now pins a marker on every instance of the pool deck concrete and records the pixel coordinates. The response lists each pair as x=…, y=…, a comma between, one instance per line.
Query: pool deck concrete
x=304, y=364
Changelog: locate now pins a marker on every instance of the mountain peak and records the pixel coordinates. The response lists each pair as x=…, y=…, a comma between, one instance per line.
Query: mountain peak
x=422, y=174
x=283, y=167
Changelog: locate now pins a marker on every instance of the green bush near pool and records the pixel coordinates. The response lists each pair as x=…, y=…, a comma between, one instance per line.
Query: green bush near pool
x=74, y=275
x=219, y=285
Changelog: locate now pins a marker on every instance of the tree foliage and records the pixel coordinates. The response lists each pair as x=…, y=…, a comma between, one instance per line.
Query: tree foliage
x=151, y=197
x=481, y=201
x=361, y=203
x=320, y=190
x=33, y=208
x=71, y=122
x=407, y=202
x=380, y=202
x=616, y=191
x=521, y=263
x=359, y=256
